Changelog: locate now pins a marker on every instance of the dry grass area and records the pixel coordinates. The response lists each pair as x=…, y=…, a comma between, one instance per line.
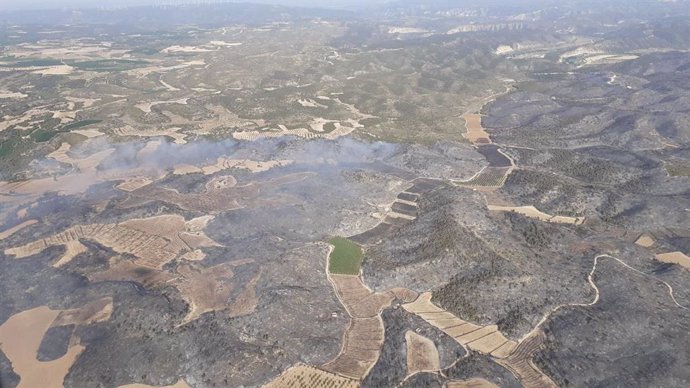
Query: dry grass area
x=361, y=348
x=304, y=376
x=532, y=212
x=153, y=241
x=8, y=232
x=471, y=383
x=97, y=311
x=422, y=355
x=180, y=384
x=246, y=300
x=204, y=289
x=209, y=289
x=475, y=132
x=645, y=241
x=21, y=336
x=484, y=339
x=519, y=362
x=122, y=270
x=675, y=258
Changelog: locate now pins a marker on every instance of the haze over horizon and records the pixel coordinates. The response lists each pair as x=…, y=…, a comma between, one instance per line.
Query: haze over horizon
x=11, y=5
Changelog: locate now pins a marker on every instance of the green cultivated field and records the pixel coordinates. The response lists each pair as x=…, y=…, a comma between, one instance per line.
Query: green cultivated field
x=346, y=257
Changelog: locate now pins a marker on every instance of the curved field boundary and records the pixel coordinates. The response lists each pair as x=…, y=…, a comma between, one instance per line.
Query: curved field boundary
x=21, y=336
x=363, y=339
x=520, y=364
x=516, y=357
x=422, y=354
x=483, y=339
x=153, y=241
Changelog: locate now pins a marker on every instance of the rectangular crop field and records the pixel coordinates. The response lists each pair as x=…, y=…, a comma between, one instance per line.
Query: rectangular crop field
x=346, y=257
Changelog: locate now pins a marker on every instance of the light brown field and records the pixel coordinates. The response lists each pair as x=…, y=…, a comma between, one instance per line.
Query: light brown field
x=55, y=70
x=484, y=339
x=146, y=106
x=519, y=362
x=180, y=384
x=471, y=383
x=7, y=233
x=135, y=183
x=422, y=355
x=361, y=348
x=475, y=132
x=364, y=337
x=532, y=212
x=645, y=240
x=359, y=301
x=675, y=258
x=89, y=133
x=153, y=241
x=21, y=336
x=12, y=95
x=304, y=376
x=488, y=340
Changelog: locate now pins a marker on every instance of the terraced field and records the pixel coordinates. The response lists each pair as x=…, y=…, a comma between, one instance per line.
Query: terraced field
x=304, y=376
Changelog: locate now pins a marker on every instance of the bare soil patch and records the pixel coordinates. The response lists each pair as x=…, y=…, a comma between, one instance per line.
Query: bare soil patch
x=180, y=384
x=532, y=212
x=422, y=355
x=471, y=383
x=645, y=241
x=475, y=132
x=675, y=258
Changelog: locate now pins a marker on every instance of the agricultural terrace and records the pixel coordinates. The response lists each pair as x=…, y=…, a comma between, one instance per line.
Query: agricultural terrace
x=346, y=257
